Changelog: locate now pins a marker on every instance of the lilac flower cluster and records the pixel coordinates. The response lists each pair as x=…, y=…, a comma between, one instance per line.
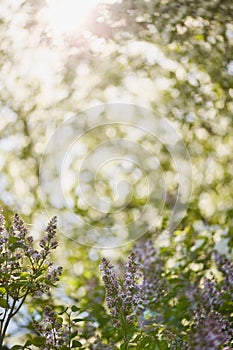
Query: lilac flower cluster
x=39, y=259
x=24, y=270
x=208, y=296
x=48, y=242
x=52, y=329
x=211, y=295
x=153, y=285
x=210, y=331
x=112, y=285
x=144, y=291
x=142, y=282
x=226, y=267
x=2, y=222
x=122, y=297
x=132, y=293
x=175, y=342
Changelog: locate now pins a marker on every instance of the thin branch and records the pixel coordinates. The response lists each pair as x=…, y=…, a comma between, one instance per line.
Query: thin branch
x=21, y=303
x=13, y=312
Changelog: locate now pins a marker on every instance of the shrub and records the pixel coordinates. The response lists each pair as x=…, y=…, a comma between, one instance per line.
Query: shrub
x=151, y=303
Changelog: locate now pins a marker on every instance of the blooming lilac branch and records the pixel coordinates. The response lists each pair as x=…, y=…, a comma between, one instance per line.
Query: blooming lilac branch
x=113, y=287
x=210, y=331
x=152, y=268
x=24, y=270
x=132, y=296
x=226, y=267
x=52, y=330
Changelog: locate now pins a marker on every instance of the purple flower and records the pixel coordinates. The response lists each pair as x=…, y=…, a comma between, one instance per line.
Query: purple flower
x=210, y=331
x=211, y=296
x=152, y=271
x=2, y=221
x=48, y=242
x=112, y=286
x=23, y=269
x=131, y=296
x=226, y=267
x=19, y=228
x=53, y=274
x=52, y=329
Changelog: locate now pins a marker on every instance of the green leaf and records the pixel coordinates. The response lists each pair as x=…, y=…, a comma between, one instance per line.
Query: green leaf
x=3, y=303
x=16, y=245
x=37, y=341
x=28, y=342
x=13, y=239
x=2, y=290
x=24, y=275
x=63, y=309
x=76, y=344
x=74, y=308
x=74, y=334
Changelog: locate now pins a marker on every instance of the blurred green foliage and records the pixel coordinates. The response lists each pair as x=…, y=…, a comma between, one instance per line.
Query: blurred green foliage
x=175, y=58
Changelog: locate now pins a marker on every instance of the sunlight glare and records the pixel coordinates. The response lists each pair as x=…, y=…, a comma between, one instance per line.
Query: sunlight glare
x=66, y=16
